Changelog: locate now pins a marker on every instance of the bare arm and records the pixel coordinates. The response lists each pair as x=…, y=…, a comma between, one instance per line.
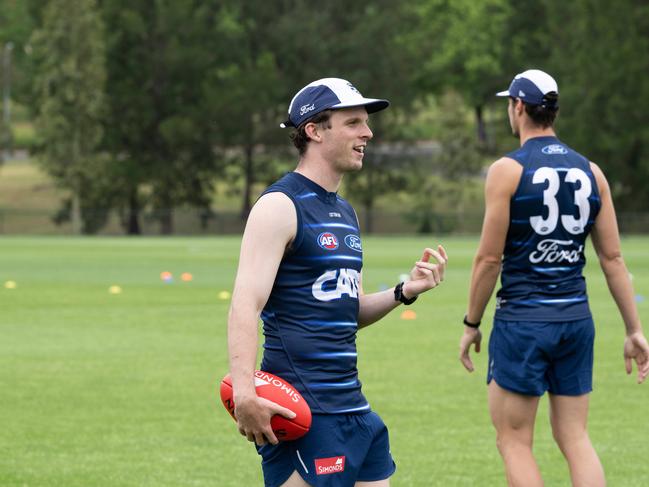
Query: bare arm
x=424, y=276
x=270, y=228
x=501, y=183
x=606, y=240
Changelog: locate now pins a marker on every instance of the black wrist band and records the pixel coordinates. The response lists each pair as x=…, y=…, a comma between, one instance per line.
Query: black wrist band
x=472, y=325
x=398, y=295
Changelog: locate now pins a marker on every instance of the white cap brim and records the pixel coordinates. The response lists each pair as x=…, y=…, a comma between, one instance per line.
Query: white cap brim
x=372, y=104
x=503, y=93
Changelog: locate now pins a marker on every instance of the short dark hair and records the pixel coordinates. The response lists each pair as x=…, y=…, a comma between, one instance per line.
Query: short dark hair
x=544, y=114
x=301, y=139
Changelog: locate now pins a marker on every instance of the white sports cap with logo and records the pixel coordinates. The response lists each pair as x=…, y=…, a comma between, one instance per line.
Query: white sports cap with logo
x=531, y=86
x=328, y=94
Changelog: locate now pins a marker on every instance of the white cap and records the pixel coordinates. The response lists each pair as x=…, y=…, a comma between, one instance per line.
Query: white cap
x=327, y=94
x=531, y=86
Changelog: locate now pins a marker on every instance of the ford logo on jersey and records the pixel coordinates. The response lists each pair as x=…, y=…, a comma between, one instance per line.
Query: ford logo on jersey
x=554, y=149
x=328, y=241
x=353, y=242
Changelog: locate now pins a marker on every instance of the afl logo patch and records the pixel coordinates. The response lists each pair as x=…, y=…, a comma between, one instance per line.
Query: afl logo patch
x=328, y=241
x=353, y=242
x=554, y=149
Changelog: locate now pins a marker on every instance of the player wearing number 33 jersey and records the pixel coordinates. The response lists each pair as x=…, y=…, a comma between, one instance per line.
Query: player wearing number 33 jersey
x=551, y=214
x=541, y=203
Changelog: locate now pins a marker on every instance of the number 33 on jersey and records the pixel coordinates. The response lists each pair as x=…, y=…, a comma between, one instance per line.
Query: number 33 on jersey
x=551, y=214
x=583, y=190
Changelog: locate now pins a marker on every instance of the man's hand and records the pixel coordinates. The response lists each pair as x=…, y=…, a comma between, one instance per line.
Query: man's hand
x=470, y=336
x=426, y=275
x=636, y=348
x=253, y=415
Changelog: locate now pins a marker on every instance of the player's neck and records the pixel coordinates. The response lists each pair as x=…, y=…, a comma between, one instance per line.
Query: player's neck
x=320, y=173
x=527, y=133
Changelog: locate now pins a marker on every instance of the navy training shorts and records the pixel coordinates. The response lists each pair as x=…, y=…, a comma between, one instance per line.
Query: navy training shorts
x=338, y=450
x=533, y=357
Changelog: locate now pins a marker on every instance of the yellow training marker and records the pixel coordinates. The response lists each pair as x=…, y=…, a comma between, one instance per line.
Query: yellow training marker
x=11, y=284
x=224, y=295
x=115, y=290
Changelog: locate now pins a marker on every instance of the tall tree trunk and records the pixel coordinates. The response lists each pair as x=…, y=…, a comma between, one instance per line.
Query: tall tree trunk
x=77, y=181
x=6, y=138
x=482, y=131
x=133, y=223
x=76, y=213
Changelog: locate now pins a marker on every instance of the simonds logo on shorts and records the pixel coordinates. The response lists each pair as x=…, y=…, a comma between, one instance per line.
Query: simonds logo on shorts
x=328, y=241
x=325, y=466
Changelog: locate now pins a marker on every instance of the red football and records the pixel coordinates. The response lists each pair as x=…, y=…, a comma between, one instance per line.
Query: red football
x=279, y=391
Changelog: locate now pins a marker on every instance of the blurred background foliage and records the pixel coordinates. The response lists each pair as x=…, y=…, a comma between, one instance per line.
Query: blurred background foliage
x=144, y=107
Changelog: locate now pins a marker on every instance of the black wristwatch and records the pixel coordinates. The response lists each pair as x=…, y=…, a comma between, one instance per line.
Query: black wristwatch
x=472, y=325
x=398, y=295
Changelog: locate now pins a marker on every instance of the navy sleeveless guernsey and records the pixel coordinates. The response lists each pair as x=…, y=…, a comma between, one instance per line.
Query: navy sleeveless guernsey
x=310, y=319
x=551, y=214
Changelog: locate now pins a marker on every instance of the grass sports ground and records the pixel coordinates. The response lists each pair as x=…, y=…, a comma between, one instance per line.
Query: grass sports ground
x=101, y=389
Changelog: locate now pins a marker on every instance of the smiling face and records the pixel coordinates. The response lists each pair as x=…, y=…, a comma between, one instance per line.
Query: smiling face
x=343, y=145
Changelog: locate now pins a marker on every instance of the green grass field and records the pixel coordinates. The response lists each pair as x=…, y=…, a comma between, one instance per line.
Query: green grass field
x=101, y=389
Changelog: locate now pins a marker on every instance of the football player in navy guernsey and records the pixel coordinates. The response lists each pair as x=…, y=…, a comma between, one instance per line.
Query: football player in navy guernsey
x=300, y=271
x=542, y=201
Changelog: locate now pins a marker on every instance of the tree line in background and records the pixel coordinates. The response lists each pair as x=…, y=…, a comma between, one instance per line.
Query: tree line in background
x=148, y=105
